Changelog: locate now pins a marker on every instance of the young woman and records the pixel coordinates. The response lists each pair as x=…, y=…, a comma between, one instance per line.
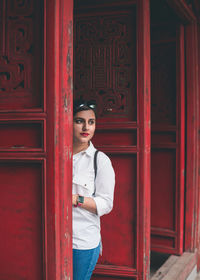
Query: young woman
x=92, y=194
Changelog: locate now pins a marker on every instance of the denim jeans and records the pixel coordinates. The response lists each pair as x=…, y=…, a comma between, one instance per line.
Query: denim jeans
x=84, y=262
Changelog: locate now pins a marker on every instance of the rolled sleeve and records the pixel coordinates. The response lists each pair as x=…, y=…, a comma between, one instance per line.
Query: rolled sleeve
x=105, y=184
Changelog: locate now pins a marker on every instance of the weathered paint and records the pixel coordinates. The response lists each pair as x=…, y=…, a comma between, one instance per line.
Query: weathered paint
x=59, y=55
x=144, y=96
x=66, y=73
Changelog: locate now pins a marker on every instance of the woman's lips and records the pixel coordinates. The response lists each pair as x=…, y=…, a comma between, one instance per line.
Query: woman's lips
x=84, y=134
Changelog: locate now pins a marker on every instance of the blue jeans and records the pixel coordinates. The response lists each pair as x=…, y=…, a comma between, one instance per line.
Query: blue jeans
x=84, y=262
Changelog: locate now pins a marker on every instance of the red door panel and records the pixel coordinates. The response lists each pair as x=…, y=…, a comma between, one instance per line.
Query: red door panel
x=122, y=220
x=167, y=183
x=163, y=175
x=28, y=135
x=105, y=67
x=22, y=141
x=21, y=220
x=116, y=137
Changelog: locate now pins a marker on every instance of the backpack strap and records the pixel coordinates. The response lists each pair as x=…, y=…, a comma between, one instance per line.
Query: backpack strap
x=95, y=169
x=95, y=164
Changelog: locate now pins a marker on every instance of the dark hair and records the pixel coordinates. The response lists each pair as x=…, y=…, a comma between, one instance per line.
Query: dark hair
x=84, y=105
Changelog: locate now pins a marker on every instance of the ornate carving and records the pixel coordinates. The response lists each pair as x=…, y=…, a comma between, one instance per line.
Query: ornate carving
x=11, y=75
x=105, y=62
x=20, y=41
x=20, y=54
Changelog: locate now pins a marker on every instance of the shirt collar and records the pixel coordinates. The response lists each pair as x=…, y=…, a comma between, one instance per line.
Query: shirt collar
x=90, y=150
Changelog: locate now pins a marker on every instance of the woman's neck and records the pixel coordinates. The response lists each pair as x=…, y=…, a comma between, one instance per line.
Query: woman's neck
x=77, y=148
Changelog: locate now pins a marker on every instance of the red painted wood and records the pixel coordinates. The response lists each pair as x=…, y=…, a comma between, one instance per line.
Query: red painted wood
x=64, y=137
x=20, y=56
x=122, y=219
x=192, y=138
x=144, y=96
x=51, y=56
x=28, y=135
x=116, y=138
x=168, y=134
x=198, y=156
x=181, y=115
x=35, y=152
x=21, y=214
x=190, y=16
x=105, y=59
x=23, y=141
x=59, y=58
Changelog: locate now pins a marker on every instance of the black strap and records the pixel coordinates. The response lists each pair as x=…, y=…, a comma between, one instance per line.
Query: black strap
x=95, y=169
x=95, y=164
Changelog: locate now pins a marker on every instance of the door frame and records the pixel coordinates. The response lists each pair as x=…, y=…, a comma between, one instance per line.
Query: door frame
x=192, y=192
x=144, y=118
x=141, y=270
x=58, y=81
x=58, y=77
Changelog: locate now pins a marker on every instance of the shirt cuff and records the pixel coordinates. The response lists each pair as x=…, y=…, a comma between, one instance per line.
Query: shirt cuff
x=103, y=206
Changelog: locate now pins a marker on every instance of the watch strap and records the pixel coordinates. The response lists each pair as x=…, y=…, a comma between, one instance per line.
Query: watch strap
x=80, y=200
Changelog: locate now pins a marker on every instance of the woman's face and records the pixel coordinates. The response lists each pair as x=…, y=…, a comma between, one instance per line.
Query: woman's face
x=84, y=125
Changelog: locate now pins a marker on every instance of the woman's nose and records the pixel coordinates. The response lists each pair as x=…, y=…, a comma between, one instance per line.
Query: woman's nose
x=85, y=127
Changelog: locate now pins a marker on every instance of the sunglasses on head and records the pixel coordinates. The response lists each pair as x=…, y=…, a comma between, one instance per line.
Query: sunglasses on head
x=89, y=104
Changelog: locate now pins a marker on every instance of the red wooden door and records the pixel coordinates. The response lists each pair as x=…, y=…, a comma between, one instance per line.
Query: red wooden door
x=22, y=140
x=105, y=69
x=168, y=133
x=35, y=152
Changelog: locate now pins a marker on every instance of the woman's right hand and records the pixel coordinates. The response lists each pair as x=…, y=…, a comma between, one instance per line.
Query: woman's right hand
x=74, y=199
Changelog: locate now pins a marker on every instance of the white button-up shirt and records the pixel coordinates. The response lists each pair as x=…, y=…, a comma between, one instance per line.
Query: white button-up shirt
x=86, y=225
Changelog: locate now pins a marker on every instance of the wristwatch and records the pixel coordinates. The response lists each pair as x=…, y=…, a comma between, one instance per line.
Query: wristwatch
x=80, y=200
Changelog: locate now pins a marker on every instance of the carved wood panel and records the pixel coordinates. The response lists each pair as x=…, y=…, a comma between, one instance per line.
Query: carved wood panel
x=104, y=62
x=20, y=54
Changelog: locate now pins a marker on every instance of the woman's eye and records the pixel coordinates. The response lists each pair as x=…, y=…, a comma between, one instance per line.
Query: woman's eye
x=78, y=121
x=91, y=122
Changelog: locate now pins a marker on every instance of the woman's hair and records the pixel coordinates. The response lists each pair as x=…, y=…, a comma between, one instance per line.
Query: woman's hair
x=84, y=105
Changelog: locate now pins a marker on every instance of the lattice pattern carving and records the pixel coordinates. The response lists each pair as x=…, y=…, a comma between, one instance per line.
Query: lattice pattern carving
x=20, y=54
x=105, y=62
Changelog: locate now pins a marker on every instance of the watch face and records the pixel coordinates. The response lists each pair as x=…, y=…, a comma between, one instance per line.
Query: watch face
x=80, y=199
